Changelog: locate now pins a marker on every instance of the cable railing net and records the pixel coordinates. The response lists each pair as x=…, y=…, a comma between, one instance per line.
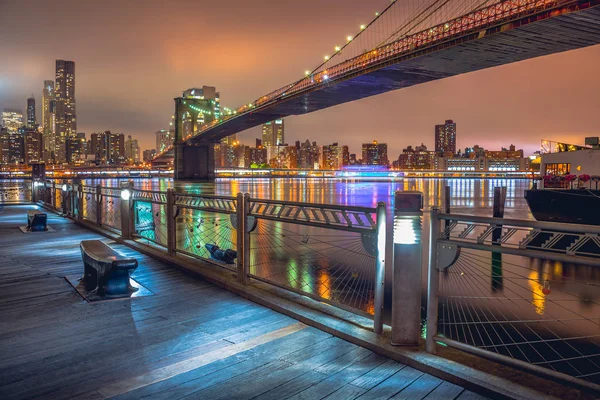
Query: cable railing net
x=150, y=222
x=326, y=264
x=90, y=204
x=111, y=207
x=199, y=231
x=541, y=312
x=15, y=192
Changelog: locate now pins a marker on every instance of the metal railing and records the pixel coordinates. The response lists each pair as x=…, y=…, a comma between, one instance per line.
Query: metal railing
x=517, y=292
x=15, y=191
x=334, y=254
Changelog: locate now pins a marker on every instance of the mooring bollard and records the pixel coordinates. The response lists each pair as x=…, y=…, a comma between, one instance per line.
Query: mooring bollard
x=407, y=271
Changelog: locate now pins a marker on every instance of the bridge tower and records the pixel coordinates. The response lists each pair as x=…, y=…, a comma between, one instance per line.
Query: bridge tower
x=195, y=160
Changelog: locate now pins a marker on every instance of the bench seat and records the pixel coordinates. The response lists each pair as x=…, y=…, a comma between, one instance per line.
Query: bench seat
x=36, y=221
x=106, y=272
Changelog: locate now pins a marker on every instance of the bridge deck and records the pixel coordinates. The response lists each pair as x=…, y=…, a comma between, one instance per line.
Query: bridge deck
x=189, y=339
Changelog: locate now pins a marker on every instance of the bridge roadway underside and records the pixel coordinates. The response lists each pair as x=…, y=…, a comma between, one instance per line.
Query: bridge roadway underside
x=554, y=35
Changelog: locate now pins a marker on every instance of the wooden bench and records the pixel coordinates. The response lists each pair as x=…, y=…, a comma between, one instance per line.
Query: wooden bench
x=106, y=272
x=36, y=221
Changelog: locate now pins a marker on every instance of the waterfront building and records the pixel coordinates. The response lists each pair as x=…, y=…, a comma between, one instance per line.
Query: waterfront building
x=65, y=123
x=76, y=150
x=31, y=122
x=132, y=150
x=164, y=139
x=33, y=146
x=4, y=146
x=507, y=164
x=48, y=120
x=149, y=155
x=255, y=156
x=374, y=153
x=108, y=147
x=273, y=133
x=416, y=158
x=306, y=156
x=334, y=156
x=12, y=119
x=445, y=137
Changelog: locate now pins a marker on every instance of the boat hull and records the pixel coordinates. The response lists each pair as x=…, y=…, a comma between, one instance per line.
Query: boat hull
x=574, y=206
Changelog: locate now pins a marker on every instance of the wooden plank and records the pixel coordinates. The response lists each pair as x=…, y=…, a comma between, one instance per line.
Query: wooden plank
x=468, y=395
x=193, y=363
x=393, y=384
x=445, y=391
x=419, y=388
x=378, y=375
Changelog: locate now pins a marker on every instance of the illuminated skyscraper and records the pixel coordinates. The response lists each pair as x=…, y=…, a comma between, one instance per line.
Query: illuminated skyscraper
x=31, y=122
x=47, y=120
x=374, y=153
x=273, y=133
x=66, y=121
x=12, y=119
x=445, y=137
x=164, y=139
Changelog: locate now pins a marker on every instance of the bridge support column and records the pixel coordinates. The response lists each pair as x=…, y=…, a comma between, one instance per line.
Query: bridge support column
x=194, y=162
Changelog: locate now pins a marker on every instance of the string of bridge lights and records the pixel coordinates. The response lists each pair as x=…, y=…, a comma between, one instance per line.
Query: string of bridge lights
x=349, y=39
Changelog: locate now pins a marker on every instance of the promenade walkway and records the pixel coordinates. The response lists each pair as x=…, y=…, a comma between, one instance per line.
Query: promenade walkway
x=190, y=339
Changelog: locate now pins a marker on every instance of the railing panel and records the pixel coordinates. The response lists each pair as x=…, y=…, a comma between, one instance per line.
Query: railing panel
x=111, y=207
x=198, y=230
x=90, y=204
x=530, y=297
x=15, y=192
x=150, y=221
x=328, y=264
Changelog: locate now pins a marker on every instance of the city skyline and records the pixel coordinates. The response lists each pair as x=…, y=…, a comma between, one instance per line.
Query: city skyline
x=549, y=98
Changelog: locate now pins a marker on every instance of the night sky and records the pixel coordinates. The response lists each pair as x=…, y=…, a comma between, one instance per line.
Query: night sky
x=133, y=57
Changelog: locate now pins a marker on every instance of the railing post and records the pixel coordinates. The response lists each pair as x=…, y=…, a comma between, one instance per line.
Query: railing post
x=433, y=281
x=171, y=240
x=242, y=236
x=446, y=206
x=65, y=199
x=380, y=267
x=53, y=195
x=126, y=217
x=33, y=191
x=407, y=272
x=99, y=204
x=80, y=201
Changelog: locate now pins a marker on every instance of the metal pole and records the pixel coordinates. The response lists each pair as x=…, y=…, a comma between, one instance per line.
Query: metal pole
x=432, y=281
x=53, y=197
x=446, y=208
x=171, y=243
x=380, y=267
x=241, y=231
x=80, y=202
x=99, y=204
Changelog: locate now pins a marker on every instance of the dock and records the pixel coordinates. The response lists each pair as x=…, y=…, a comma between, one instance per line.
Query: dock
x=187, y=339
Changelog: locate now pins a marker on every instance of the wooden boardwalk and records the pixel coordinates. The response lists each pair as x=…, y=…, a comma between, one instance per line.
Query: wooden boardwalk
x=190, y=339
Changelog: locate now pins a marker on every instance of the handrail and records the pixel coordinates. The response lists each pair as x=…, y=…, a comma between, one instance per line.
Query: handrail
x=543, y=225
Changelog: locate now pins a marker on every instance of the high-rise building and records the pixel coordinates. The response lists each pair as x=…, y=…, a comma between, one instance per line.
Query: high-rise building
x=273, y=133
x=374, y=153
x=76, y=150
x=255, y=156
x=4, y=146
x=33, y=146
x=417, y=158
x=31, y=122
x=132, y=150
x=445, y=137
x=164, y=139
x=108, y=147
x=12, y=119
x=47, y=120
x=149, y=155
x=335, y=156
x=66, y=121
